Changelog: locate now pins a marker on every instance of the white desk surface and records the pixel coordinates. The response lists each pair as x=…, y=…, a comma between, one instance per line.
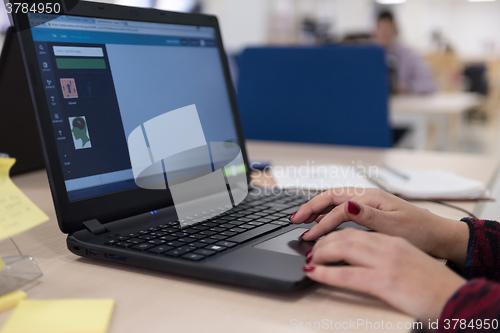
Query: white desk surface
x=439, y=103
x=149, y=301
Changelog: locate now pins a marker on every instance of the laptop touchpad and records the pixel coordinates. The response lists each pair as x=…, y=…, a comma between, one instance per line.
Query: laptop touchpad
x=287, y=243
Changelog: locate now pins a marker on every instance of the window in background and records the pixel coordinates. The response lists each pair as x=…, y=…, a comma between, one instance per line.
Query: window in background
x=136, y=3
x=4, y=21
x=176, y=5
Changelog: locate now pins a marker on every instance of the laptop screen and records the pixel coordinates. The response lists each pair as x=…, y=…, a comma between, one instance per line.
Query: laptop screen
x=104, y=78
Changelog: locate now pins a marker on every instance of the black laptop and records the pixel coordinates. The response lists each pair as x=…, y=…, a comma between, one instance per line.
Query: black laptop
x=102, y=74
x=18, y=129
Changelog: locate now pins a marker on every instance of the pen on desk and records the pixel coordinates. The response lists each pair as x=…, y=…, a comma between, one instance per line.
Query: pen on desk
x=396, y=172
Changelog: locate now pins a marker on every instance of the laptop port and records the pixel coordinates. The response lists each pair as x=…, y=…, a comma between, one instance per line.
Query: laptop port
x=91, y=253
x=115, y=257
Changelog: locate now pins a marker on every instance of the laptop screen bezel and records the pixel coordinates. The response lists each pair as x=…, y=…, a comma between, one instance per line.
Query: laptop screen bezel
x=113, y=206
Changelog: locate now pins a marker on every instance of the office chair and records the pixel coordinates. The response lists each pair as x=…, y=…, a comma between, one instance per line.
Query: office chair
x=333, y=95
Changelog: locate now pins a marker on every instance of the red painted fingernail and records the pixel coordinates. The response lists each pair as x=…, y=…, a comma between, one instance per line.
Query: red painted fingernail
x=308, y=253
x=302, y=236
x=291, y=216
x=308, y=260
x=308, y=268
x=353, y=208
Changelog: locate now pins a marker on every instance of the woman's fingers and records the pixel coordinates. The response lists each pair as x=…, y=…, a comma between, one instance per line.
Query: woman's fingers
x=351, y=250
x=362, y=214
x=353, y=246
x=322, y=204
x=366, y=215
x=356, y=278
x=319, y=218
x=327, y=223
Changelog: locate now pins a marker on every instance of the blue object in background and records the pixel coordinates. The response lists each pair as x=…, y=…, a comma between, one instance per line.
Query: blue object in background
x=334, y=95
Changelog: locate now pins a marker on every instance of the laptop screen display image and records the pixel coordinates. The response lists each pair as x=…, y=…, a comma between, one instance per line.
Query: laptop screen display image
x=104, y=78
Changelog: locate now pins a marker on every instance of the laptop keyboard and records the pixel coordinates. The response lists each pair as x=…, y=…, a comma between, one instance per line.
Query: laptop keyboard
x=254, y=217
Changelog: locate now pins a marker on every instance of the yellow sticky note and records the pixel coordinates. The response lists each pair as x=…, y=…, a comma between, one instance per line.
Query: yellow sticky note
x=61, y=316
x=10, y=300
x=2, y=264
x=17, y=212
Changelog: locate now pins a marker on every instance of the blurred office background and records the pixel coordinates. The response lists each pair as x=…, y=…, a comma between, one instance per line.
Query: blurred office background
x=459, y=40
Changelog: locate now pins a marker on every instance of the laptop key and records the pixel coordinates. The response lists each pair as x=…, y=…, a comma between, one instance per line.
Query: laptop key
x=124, y=244
x=219, y=237
x=200, y=228
x=168, y=238
x=147, y=237
x=216, y=248
x=157, y=241
x=193, y=256
x=251, y=234
x=208, y=240
x=160, y=249
x=136, y=241
x=236, y=223
x=210, y=224
x=280, y=223
x=198, y=236
x=175, y=243
x=226, y=244
x=244, y=219
x=257, y=224
x=180, y=234
x=208, y=233
x=186, y=240
x=143, y=246
x=218, y=229
x=179, y=251
x=238, y=230
x=246, y=226
x=198, y=244
x=228, y=233
x=205, y=252
x=158, y=233
x=226, y=225
x=111, y=242
x=277, y=205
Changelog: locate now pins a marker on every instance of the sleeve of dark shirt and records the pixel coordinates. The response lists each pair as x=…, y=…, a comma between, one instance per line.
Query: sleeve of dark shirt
x=475, y=307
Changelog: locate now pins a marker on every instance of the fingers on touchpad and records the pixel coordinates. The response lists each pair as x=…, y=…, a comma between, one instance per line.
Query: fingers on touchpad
x=287, y=243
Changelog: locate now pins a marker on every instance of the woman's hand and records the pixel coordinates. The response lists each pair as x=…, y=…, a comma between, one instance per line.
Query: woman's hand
x=387, y=267
x=388, y=214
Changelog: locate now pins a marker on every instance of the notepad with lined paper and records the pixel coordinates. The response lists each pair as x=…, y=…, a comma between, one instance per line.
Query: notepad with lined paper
x=411, y=184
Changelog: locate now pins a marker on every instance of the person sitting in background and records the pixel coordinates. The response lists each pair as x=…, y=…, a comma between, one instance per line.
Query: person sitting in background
x=409, y=72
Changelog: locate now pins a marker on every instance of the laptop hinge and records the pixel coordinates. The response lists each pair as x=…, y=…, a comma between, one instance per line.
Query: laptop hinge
x=95, y=227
